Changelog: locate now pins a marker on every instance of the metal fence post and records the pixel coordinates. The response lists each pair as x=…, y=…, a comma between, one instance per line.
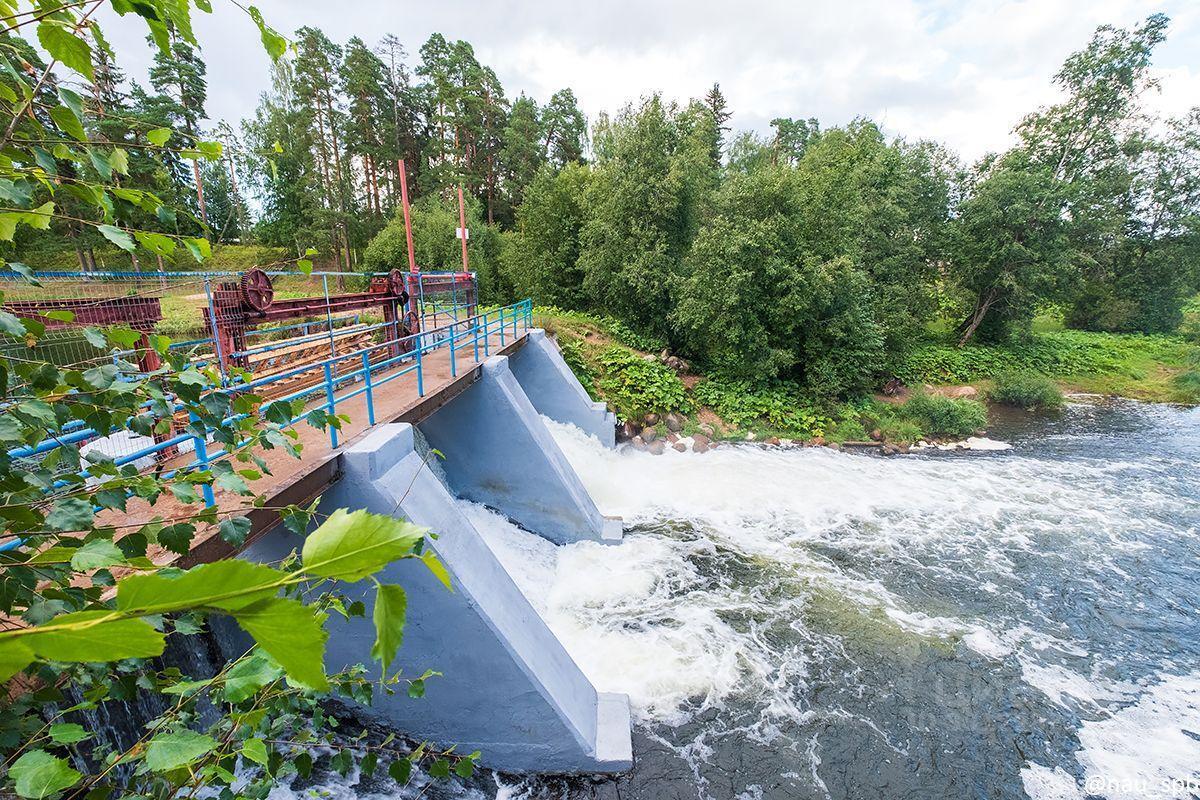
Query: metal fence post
x=329, y=318
x=514, y=321
x=487, y=343
x=453, y=346
x=367, y=383
x=475, y=334
x=502, y=326
x=202, y=457
x=331, y=404
x=420, y=368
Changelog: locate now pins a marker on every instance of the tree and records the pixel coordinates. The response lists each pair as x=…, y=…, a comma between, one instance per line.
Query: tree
x=404, y=119
x=178, y=75
x=542, y=256
x=792, y=137
x=361, y=76
x=714, y=99
x=758, y=304
x=646, y=203
x=522, y=154
x=565, y=128
x=1009, y=245
x=437, y=248
x=285, y=177
x=884, y=206
x=317, y=63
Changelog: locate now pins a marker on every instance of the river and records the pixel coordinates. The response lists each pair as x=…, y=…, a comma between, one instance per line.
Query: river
x=803, y=623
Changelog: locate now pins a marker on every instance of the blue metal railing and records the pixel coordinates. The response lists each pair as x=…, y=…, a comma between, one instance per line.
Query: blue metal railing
x=469, y=332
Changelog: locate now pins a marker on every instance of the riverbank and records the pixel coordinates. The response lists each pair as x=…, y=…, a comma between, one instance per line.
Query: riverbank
x=942, y=393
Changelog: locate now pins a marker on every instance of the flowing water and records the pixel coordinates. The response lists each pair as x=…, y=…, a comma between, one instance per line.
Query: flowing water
x=800, y=623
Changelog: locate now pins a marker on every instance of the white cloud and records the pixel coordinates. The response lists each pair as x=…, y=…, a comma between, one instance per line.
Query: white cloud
x=960, y=72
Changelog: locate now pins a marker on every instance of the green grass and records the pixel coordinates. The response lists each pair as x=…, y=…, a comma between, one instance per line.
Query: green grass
x=1129, y=365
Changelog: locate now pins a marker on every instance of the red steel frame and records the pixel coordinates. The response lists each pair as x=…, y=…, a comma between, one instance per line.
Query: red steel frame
x=233, y=315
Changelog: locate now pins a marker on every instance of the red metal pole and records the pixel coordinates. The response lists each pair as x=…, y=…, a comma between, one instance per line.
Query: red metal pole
x=462, y=221
x=412, y=258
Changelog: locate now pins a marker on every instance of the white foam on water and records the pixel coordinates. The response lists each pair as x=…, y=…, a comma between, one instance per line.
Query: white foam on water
x=1149, y=750
x=732, y=542
x=1044, y=783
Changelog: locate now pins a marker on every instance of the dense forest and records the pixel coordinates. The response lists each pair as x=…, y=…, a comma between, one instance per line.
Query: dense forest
x=816, y=254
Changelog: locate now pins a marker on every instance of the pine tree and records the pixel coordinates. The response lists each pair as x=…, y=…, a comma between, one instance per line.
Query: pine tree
x=361, y=79
x=522, y=154
x=564, y=128
x=719, y=108
x=317, y=63
x=179, y=78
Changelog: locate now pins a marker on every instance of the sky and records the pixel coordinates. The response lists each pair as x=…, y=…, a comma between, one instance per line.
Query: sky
x=963, y=73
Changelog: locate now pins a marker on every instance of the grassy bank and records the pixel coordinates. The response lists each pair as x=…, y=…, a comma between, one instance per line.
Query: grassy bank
x=622, y=368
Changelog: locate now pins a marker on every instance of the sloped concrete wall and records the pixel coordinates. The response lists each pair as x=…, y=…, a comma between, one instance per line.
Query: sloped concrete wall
x=555, y=391
x=498, y=453
x=509, y=688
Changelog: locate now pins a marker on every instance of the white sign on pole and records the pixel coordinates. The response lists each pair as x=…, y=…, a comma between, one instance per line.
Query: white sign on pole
x=458, y=233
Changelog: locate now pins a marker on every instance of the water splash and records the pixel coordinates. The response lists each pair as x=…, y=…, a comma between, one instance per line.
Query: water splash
x=789, y=610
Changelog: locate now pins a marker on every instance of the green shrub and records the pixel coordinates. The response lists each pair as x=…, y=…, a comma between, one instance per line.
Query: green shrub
x=946, y=416
x=1027, y=390
x=572, y=353
x=779, y=406
x=635, y=386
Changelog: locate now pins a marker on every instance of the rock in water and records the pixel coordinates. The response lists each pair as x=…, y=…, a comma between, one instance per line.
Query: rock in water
x=657, y=447
x=679, y=446
x=649, y=435
x=674, y=423
x=700, y=446
x=700, y=439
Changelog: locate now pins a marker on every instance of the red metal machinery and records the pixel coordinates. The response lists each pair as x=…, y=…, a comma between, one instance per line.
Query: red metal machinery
x=251, y=301
x=139, y=313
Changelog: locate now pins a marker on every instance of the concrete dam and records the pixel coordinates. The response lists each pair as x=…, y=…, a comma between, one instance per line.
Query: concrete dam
x=508, y=687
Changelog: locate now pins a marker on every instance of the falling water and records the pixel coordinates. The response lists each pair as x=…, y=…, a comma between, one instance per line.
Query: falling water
x=803, y=623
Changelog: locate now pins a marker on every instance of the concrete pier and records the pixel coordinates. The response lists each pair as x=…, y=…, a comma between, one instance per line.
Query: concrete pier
x=554, y=391
x=498, y=453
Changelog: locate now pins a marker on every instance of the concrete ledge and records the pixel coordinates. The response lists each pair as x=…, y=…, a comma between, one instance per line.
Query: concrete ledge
x=556, y=392
x=499, y=453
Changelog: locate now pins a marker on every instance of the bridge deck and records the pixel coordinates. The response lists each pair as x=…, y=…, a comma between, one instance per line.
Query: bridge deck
x=300, y=480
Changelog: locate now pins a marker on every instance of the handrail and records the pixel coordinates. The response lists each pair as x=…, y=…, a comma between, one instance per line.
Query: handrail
x=454, y=333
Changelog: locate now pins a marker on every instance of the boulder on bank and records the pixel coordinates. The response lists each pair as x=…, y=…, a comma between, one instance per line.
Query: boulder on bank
x=674, y=423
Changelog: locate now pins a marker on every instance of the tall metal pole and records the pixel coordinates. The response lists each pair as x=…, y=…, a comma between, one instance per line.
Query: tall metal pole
x=412, y=258
x=462, y=222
